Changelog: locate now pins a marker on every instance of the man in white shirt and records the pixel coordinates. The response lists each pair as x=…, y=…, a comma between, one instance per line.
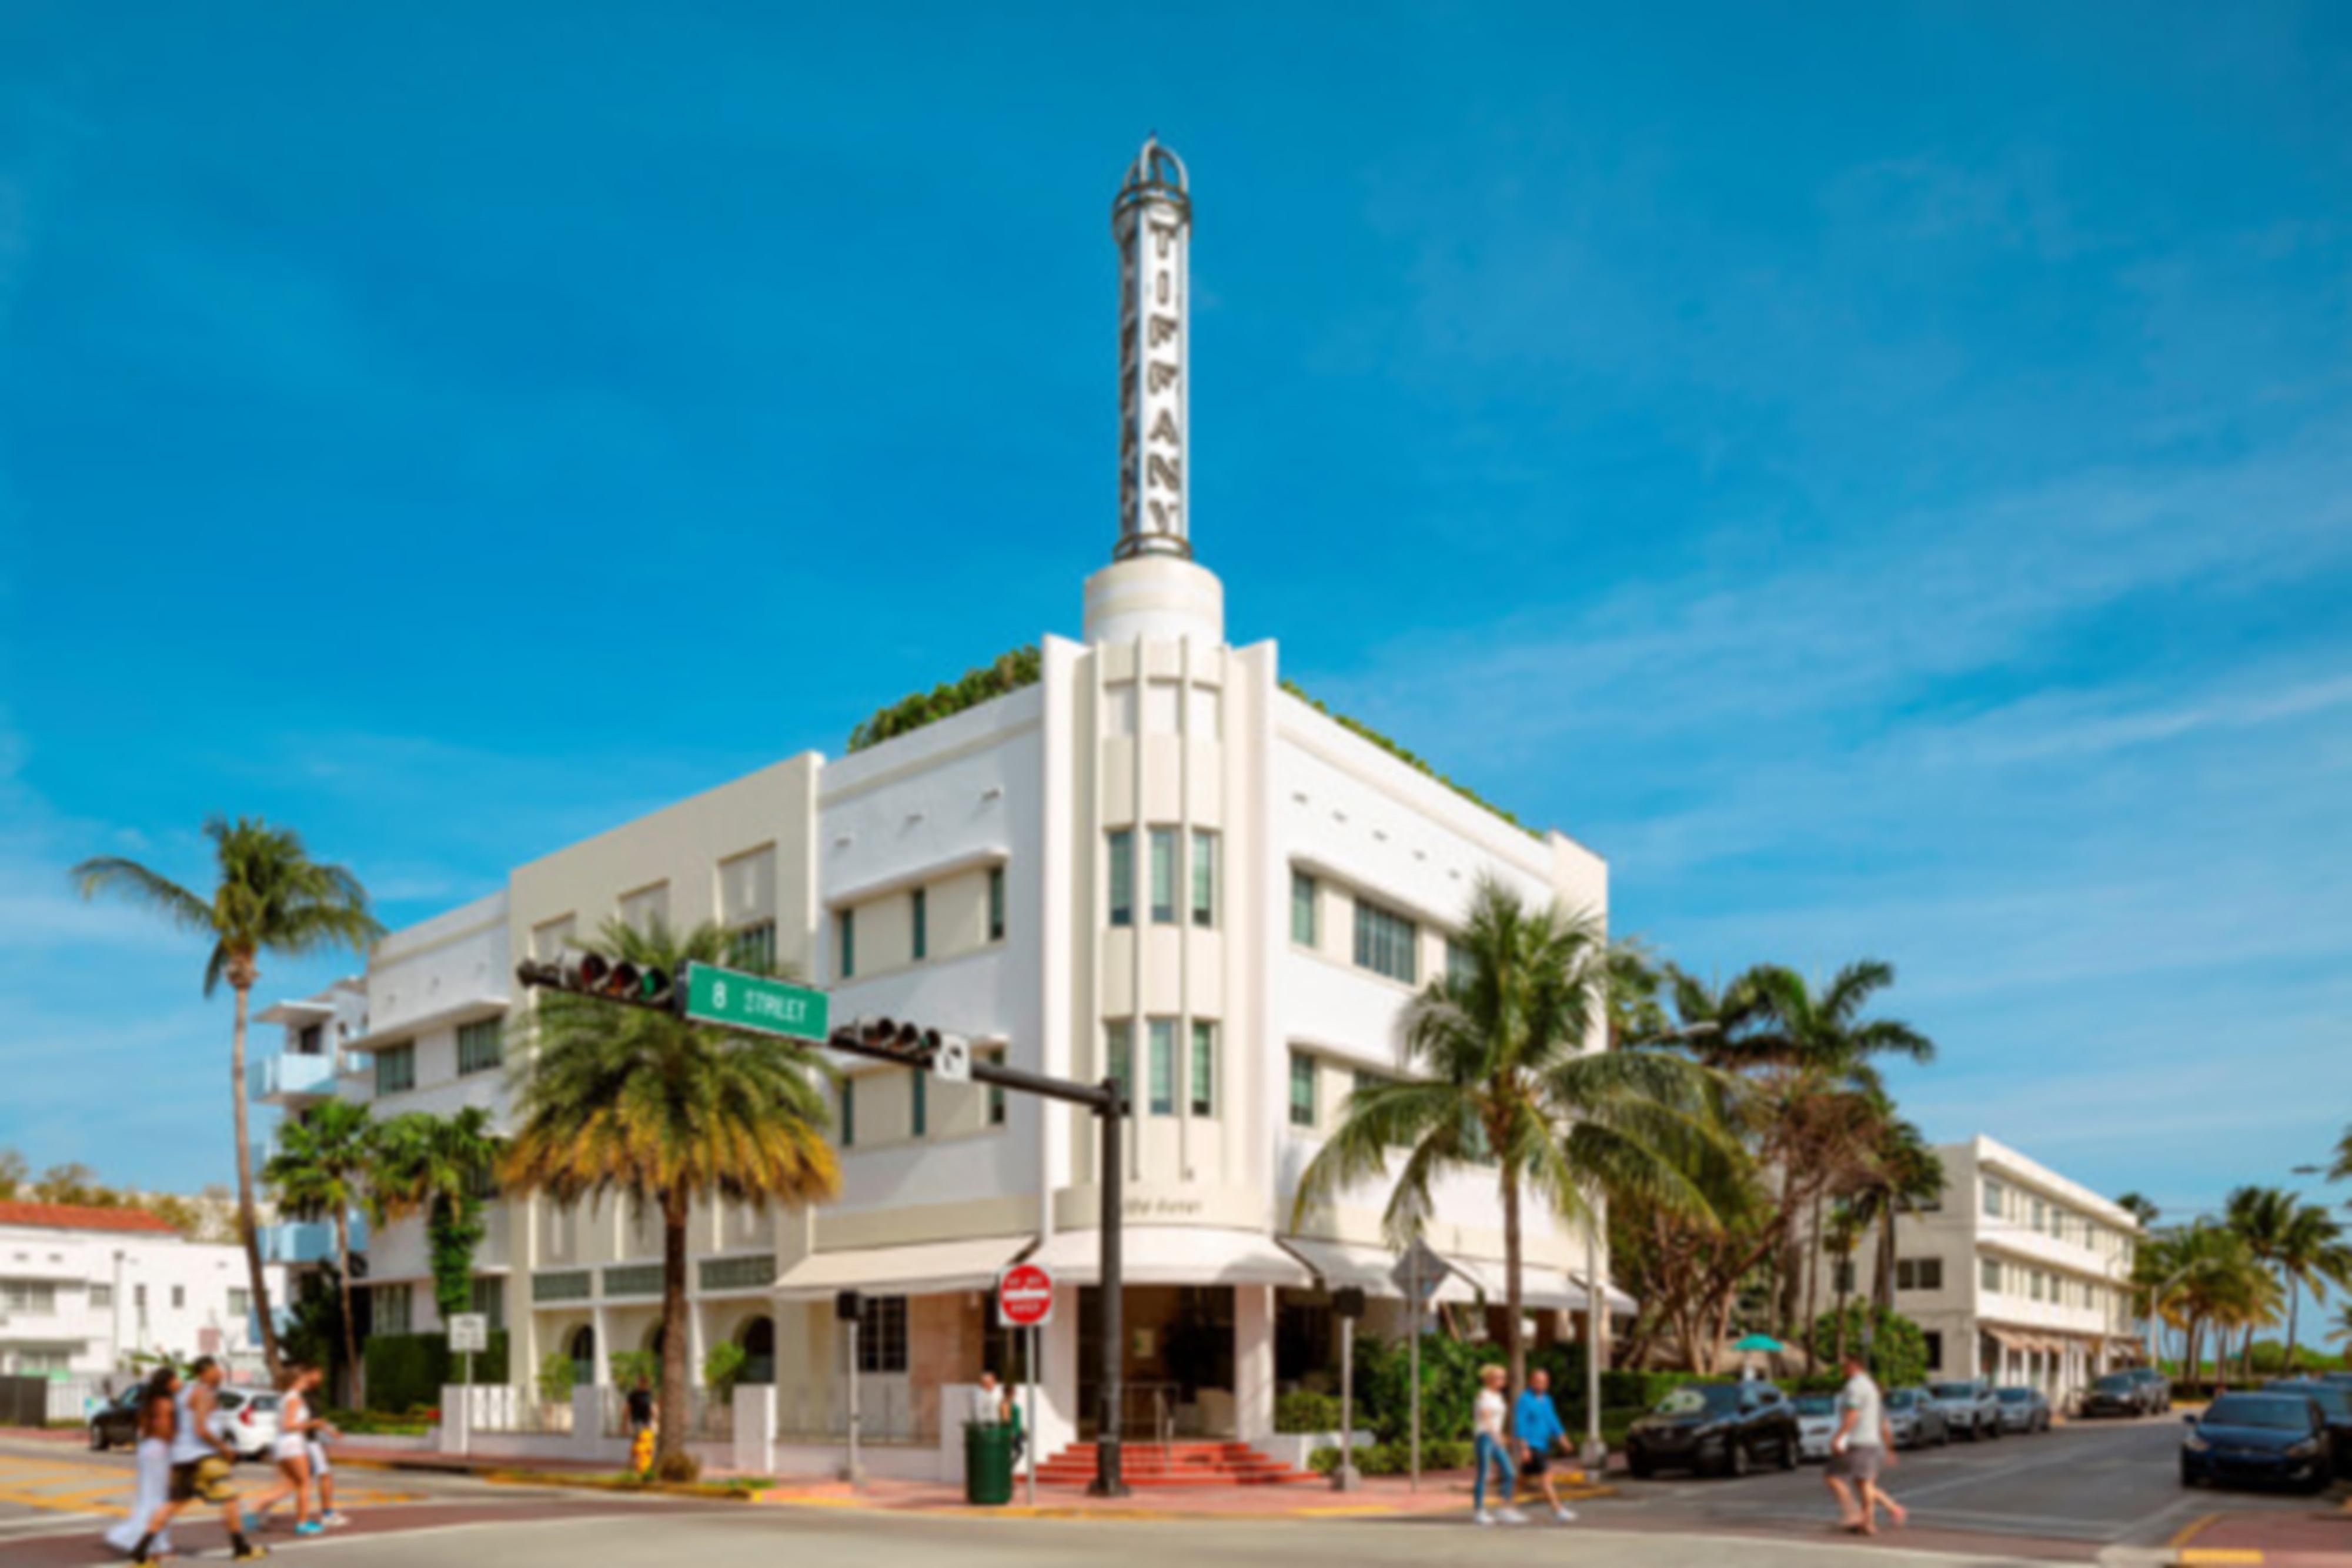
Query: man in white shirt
x=1862, y=1447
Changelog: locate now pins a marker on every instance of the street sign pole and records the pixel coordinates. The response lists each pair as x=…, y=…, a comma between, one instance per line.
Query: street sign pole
x=1413, y=1318
x=1596, y=1453
x=1032, y=1432
x=852, y=1476
x=1110, y=1478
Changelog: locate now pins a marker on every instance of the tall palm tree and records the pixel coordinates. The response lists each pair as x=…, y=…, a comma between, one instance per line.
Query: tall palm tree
x=271, y=897
x=2140, y=1209
x=626, y=1102
x=439, y=1166
x=1901, y=1176
x=1821, y=1051
x=1502, y=1082
x=2298, y=1241
x=321, y=1167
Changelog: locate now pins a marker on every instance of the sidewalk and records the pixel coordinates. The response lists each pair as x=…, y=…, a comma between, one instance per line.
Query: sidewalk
x=1380, y=1497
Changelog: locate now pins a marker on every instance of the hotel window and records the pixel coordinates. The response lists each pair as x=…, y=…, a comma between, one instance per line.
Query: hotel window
x=1121, y=849
x=1163, y=1067
x=489, y=1299
x=2042, y=1219
x=1844, y=1276
x=1459, y=966
x=1163, y=877
x=395, y=1069
x=139, y=1299
x=1302, y=909
x=1919, y=1274
x=849, y=1112
x=101, y=1297
x=179, y=1298
x=32, y=1297
x=920, y=1115
x=1935, y=1348
x=1988, y=1275
x=996, y=1091
x=918, y=921
x=845, y=935
x=753, y=947
x=996, y=904
x=480, y=1046
x=1205, y=877
x=1118, y=1057
x=313, y=1042
x=391, y=1305
x=1384, y=942
x=1302, y=1090
x=1204, y=1068
x=882, y=1334
x=240, y=1302
x=2033, y=1283
x=1993, y=1196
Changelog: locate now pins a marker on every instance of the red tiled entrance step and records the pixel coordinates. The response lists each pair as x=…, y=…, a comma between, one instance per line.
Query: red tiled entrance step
x=1175, y=1465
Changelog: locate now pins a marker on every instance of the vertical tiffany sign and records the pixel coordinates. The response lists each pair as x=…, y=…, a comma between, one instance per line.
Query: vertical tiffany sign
x=1153, y=222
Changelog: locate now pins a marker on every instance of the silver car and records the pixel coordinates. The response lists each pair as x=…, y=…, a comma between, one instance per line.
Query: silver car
x=2023, y=1410
x=1915, y=1419
x=1970, y=1408
x=1817, y=1422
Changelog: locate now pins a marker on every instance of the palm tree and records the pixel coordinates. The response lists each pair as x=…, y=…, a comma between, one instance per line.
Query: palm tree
x=321, y=1167
x=1506, y=1085
x=2299, y=1241
x=440, y=1166
x=271, y=897
x=1902, y=1176
x=2140, y=1209
x=628, y=1102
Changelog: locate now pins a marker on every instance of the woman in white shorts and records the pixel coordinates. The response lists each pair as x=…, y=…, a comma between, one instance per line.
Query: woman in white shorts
x=292, y=1452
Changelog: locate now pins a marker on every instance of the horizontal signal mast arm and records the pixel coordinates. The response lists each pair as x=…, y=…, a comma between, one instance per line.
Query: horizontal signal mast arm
x=1093, y=1096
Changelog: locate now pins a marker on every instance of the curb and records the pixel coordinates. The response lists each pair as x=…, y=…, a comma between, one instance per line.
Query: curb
x=778, y=1497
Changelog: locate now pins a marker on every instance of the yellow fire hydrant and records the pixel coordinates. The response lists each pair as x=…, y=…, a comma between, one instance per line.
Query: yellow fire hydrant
x=641, y=1452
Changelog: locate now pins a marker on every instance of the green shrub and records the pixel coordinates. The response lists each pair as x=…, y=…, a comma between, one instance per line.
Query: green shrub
x=722, y=1368
x=1898, y=1351
x=1304, y=1412
x=1449, y=1382
x=406, y=1370
x=558, y=1376
x=630, y=1366
x=1009, y=673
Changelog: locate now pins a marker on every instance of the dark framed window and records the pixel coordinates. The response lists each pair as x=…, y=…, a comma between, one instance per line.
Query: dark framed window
x=753, y=947
x=1119, y=845
x=1163, y=877
x=844, y=926
x=1205, y=877
x=1163, y=1066
x=1385, y=942
x=882, y=1334
x=480, y=1046
x=1302, y=1090
x=1303, y=927
x=919, y=919
x=395, y=1069
x=849, y=1112
x=996, y=904
x=1204, y=1068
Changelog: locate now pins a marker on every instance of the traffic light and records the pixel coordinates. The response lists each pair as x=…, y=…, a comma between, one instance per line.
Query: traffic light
x=607, y=979
x=909, y=1039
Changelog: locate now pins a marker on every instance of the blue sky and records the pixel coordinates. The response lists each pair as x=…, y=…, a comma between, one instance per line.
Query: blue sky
x=1882, y=475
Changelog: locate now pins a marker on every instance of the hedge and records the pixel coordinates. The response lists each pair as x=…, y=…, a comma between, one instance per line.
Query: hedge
x=408, y=1370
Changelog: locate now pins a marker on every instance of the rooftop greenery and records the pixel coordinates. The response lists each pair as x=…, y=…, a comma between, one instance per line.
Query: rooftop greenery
x=1358, y=728
x=1010, y=673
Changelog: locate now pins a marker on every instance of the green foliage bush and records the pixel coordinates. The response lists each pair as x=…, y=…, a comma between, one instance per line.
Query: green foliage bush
x=558, y=1376
x=1898, y=1351
x=407, y=1370
x=722, y=1368
x=1396, y=1458
x=1011, y=671
x=1449, y=1383
x=1304, y=1412
x=631, y=1366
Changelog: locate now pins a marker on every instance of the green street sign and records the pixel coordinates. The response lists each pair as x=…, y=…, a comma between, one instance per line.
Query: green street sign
x=739, y=1000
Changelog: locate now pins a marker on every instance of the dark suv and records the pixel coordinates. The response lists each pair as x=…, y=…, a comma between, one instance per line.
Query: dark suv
x=1717, y=1428
x=115, y=1424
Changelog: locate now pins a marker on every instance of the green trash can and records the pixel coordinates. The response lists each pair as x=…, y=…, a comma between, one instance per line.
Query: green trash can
x=987, y=1462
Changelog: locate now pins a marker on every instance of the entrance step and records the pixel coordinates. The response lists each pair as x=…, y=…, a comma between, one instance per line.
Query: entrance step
x=1210, y=1464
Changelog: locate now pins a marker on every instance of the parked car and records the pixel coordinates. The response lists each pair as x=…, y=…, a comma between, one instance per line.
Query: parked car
x=2116, y=1393
x=1970, y=1408
x=249, y=1419
x=1725, y=1428
x=2335, y=1402
x=2279, y=1437
x=1916, y=1420
x=115, y=1424
x=2155, y=1388
x=2023, y=1410
x=1817, y=1422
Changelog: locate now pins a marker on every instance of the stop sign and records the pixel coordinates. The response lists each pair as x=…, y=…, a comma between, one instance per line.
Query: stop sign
x=1024, y=1296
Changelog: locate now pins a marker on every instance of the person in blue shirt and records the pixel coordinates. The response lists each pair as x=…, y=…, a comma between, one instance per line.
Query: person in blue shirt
x=1535, y=1429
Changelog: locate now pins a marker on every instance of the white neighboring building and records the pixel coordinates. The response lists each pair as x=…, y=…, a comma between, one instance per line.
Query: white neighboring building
x=2017, y=1274
x=81, y=1289
x=1154, y=862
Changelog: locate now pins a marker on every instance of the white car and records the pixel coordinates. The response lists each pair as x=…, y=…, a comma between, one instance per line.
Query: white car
x=1817, y=1422
x=247, y=1417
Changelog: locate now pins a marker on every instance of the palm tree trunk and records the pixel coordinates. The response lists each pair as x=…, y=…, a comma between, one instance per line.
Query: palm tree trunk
x=671, y=1440
x=1887, y=1259
x=248, y=1224
x=1813, y=1254
x=1842, y=1266
x=2294, y=1303
x=1511, y=1336
x=354, y=1384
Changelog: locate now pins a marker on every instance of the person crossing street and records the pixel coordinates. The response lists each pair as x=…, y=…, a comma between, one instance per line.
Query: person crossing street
x=1535, y=1429
x=1490, y=1447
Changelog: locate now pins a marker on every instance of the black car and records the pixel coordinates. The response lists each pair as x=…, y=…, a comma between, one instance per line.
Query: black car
x=1720, y=1428
x=115, y=1424
x=2116, y=1394
x=2266, y=1437
x=2335, y=1402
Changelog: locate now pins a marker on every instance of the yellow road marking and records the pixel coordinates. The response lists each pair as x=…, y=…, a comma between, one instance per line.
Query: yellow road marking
x=1349, y=1510
x=2221, y=1555
x=2191, y=1531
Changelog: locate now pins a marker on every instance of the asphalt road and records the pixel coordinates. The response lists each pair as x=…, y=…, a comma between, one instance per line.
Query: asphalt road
x=2094, y=1483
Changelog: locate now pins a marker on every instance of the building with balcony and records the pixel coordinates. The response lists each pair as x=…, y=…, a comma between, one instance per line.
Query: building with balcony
x=2016, y=1274
x=81, y=1290
x=1152, y=862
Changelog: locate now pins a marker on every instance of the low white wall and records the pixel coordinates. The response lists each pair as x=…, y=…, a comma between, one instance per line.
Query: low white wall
x=894, y=1461
x=1293, y=1448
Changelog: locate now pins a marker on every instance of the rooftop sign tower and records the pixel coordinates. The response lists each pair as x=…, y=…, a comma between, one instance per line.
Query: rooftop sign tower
x=1153, y=589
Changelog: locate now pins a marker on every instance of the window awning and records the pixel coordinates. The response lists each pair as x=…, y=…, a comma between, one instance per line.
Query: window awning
x=927, y=1269
x=1176, y=1255
x=1338, y=1264
x=1540, y=1287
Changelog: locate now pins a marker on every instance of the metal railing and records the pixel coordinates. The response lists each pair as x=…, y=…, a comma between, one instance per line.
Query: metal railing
x=501, y=1407
x=887, y=1411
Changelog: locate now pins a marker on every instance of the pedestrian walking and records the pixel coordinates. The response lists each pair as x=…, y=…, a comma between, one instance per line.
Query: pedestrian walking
x=201, y=1462
x=1535, y=1427
x=322, y=1475
x=154, y=1458
x=291, y=1450
x=1489, y=1448
x=1861, y=1449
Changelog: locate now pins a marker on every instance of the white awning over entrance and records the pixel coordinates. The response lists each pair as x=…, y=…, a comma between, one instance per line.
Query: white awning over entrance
x=927, y=1269
x=1541, y=1287
x=1176, y=1255
x=1368, y=1268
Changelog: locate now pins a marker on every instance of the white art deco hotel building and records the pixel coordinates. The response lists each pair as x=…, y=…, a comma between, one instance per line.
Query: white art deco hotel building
x=1155, y=861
